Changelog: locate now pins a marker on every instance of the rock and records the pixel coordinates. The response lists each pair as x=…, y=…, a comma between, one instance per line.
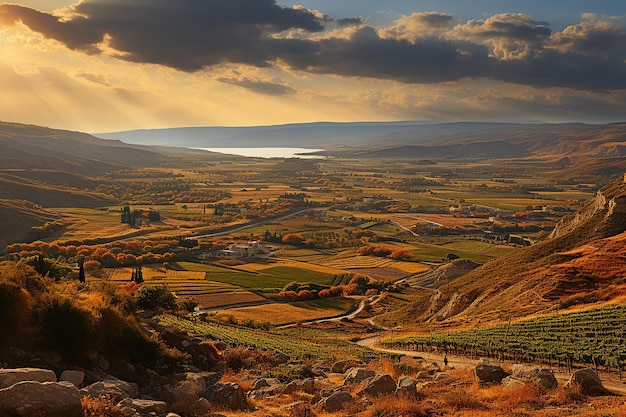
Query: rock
x=228, y=395
x=489, y=373
x=103, y=363
x=260, y=383
x=172, y=415
x=589, y=383
x=282, y=359
x=355, y=375
x=144, y=406
x=541, y=376
x=511, y=383
x=378, y=385
x=115, y=389
x=41, y=399
x=407, y=385
x=75, y=377
x=9, y=377
x=307, y=385
x=336, y=401
x=340, y=367
x=423, y=375
x=441, y=376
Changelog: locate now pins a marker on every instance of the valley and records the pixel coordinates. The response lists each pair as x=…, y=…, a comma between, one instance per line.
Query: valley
x=476, y=249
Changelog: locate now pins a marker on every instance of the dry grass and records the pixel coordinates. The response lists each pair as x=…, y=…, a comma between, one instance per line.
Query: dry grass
x=226, y=299
x=411, y=267
x=280, y=313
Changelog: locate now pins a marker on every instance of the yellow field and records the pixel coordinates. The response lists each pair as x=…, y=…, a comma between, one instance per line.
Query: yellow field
x=277, y=314
x=227, y=299
x=357, y=262
x=411, y=267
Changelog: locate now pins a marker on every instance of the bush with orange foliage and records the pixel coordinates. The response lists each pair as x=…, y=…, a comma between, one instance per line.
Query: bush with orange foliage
x=293, y=239
x=398, y=405
x=101, y=407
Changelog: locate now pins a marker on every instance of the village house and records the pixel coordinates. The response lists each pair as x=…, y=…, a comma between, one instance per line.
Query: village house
x=251, y=249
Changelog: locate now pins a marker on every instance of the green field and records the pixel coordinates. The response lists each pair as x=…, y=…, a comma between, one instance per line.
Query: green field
x=292, y=343
x=596, y=337
x=270, y=279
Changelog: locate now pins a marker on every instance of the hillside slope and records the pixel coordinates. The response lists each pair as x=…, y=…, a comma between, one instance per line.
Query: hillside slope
x=584, y=260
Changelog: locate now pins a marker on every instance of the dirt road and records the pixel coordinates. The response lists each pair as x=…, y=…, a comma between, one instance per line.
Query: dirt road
x=610, y=381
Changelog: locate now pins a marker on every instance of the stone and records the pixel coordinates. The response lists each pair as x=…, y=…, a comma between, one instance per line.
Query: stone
x=511, y=383
x=336, y=401
x=75, y=377
x=441, y=376
x=543, y=377
x=489, y=373
x=589, y=383
x=228, y=395
x=407, y=385
x=356, y=375
x=9, y=377
x=423, y=375
x=41, y=399
x=340, y=367
x=306, y=385
x=378, y=385
x=116, y=389
x=144, y=406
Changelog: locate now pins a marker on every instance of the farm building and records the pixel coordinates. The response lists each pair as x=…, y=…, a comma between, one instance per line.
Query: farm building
x=245, y=250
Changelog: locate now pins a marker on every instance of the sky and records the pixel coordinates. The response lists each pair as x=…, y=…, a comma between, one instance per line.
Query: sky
x=112, y=65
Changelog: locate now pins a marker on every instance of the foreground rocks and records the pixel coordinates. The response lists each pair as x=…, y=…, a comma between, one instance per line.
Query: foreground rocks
x=523, y=374
x=488, y=373
x=588, y=382
x=41, y=399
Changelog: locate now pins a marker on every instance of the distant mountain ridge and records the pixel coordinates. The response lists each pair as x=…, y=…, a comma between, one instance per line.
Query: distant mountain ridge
x=318, y=134
x=403, y=139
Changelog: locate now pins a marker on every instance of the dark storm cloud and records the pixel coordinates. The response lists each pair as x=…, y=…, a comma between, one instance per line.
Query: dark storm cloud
x=366, y=54
x=191, y=35
x=184, y=34
x=263, y=87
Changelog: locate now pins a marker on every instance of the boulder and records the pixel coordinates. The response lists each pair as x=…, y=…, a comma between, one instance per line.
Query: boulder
x=9, y=377
x=336, y=401
x=423, y=375
x=378, y=385
x=306, y=385
x=115, y=389
x=489, y=373
x=543, y=377
x=144, y=406
x=441, y=376
x=340, y=367
x=588, y=382
x=407, y=385
x=41, y=399
x=75, y=377
x=355, y=375
x=229, y=395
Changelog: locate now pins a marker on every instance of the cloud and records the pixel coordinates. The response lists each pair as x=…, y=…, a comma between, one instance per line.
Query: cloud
x=421, y=48
x=595, y=38
x=510, y=35
x=270, y=88
x=417, y=25
x=366, y=54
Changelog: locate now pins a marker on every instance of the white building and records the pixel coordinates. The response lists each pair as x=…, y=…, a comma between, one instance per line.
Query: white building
x=251, y=249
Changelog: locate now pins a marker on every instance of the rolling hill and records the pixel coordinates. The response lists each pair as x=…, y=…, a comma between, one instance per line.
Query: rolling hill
x=461, y=140
x=583, y=261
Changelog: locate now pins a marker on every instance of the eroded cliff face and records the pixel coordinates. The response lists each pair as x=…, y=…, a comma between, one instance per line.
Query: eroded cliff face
x=585, y=253
x=603, y=216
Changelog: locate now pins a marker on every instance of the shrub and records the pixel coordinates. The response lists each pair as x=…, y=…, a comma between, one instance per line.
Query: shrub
x=101, y=407
x=154, y=297
x=65, y=327
x=187, y=304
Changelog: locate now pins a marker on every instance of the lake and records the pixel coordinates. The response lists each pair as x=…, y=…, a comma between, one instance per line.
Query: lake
x=268, y=152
